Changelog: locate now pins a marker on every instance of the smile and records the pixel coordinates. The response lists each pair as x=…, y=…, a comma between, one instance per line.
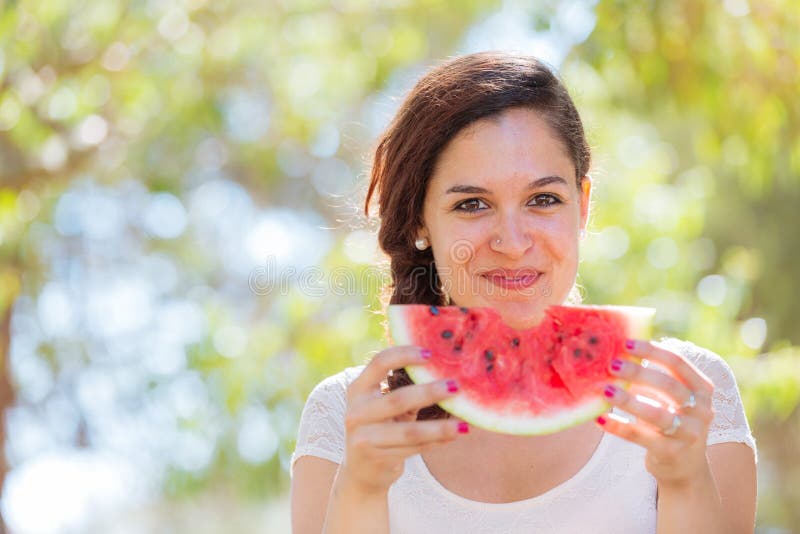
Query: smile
x=512, y=281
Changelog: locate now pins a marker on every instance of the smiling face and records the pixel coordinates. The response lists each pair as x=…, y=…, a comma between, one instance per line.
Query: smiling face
x=506, y=178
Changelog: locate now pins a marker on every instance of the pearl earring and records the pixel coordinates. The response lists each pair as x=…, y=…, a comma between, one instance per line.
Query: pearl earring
x=421, y=243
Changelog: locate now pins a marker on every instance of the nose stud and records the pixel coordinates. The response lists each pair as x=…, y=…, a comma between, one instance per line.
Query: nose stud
x=498, y=241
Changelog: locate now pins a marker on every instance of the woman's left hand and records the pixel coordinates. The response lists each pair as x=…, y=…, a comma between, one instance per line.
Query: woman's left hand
x=673, y=433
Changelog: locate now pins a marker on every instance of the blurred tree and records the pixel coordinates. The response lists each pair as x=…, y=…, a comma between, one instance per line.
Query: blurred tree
x=251, y=100
x=154, y=154
x=695, y=112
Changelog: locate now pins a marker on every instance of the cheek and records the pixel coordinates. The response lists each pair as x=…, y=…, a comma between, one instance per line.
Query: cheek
x=459, y=244
x=560, y=239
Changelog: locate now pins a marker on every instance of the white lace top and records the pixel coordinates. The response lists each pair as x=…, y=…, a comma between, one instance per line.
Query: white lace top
x=613, y=492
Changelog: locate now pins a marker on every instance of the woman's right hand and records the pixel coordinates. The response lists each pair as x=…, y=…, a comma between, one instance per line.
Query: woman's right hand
x=379, y=431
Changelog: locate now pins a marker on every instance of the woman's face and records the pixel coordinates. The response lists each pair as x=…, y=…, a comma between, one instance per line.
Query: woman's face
x=503, y=215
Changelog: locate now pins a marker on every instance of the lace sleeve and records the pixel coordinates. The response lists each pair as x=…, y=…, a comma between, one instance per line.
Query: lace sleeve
x=730, y=422
x=321, y=431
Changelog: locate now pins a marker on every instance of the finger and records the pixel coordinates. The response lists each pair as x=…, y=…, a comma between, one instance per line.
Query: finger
x=387, y=360
x=398, y=402
x=410, y=415
x=633, y=431
x=413, y=434
x=417, y=449
x=666, y=387
x=676, y=364
x=649, y=411
x=656, y=416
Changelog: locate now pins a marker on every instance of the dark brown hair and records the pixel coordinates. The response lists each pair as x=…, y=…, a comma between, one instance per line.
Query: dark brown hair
x=447, y=99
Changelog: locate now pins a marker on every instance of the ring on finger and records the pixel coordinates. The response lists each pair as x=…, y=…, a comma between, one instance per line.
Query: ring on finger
x=676, y=424
x=690, y=402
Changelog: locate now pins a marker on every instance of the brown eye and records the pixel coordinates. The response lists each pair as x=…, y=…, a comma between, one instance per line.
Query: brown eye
x=545, y=200
x=470, y=205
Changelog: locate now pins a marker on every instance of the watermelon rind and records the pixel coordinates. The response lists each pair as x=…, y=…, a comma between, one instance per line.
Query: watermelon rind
x=508, y=422
x=638, y=322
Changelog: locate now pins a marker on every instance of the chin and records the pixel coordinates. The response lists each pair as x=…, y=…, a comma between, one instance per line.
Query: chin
x=520, y=313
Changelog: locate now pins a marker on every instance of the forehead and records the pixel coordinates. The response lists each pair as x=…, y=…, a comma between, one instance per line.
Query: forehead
x=518, y=143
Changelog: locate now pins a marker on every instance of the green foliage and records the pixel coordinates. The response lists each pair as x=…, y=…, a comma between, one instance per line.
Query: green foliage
x=692, y=112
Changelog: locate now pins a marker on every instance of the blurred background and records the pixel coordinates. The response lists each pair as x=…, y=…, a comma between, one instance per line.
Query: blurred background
x=182, y=257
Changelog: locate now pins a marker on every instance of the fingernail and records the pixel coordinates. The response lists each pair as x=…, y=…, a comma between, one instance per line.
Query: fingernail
x=463, y=427
x=601, y=420
x=629, y=344
x=452, y=387
x=610, y=391
x=425, y=353
x=616, y=364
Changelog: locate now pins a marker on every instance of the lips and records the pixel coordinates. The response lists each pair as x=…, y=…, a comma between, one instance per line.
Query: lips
x=512, y=278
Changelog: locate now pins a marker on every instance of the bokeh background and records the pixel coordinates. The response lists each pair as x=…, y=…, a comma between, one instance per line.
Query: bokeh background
x=182, y=257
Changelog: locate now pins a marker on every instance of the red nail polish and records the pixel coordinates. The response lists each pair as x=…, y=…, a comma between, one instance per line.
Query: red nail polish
x=463, y=427
x=616, y=364
x=601, y=420
x=629, y=344
x=452, y=387
x=610, y=391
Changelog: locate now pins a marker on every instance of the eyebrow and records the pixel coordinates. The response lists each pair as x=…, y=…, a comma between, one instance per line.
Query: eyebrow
x=539, y=182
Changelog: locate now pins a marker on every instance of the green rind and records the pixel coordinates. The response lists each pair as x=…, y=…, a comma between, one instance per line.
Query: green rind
x=512, y=423
x=638, y=321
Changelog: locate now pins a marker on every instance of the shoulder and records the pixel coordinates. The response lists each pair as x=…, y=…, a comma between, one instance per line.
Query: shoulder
x=330, y=394
x=708, y=362
x=338, y=383
x=321, y=429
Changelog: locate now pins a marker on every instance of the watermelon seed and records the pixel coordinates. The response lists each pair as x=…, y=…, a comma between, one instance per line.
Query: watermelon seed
x=457, y=348
x=463, y=310
x=434, y=310
x=515, y=342
x=577, y=353
x=589, y=356
x=489, y=367
x=447, y=334
x=593, y=340
x=489, y=355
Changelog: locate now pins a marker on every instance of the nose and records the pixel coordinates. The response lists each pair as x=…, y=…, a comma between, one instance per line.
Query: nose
x=511, y=237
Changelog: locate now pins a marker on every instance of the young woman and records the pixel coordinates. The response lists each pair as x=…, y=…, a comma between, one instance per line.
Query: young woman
x=483, y=187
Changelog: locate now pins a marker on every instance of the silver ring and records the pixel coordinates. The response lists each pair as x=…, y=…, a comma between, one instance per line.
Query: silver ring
x=690, y=402
x=676, y=424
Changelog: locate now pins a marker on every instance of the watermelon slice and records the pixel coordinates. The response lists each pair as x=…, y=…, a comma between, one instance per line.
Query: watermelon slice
x=535, y=381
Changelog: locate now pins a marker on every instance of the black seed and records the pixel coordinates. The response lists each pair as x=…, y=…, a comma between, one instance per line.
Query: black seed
x=489, y=355
x=463, y=310
x=593, y=340
x=447, y=334
x=489, y=367
x=434, y=310
x=577, y=353
x=515, y=342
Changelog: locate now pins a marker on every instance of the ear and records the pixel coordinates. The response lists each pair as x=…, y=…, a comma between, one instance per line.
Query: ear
x=586, y=198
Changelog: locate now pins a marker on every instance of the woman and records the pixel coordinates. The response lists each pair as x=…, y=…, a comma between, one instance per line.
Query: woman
x=483, y=187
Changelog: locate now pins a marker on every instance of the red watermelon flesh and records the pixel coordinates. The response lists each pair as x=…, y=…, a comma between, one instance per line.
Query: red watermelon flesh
x=533, y=381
